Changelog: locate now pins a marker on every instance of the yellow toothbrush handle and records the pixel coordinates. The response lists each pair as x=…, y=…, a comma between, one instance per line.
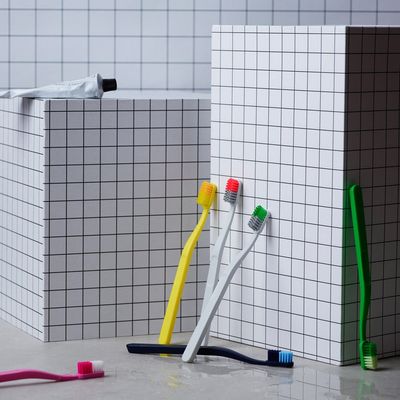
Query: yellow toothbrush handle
x=179, y=282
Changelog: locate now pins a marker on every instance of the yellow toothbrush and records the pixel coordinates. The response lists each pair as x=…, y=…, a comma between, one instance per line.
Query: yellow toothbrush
x=205, y=199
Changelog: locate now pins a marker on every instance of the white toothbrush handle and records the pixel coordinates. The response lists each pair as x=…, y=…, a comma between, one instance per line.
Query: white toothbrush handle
x=215, y=300
x=215, y=262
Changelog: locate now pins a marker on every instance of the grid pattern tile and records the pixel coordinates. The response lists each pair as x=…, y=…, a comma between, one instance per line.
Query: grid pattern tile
x=147, y=44
x=21, y=214
x=121, y=186
x=283, y=123
x=97, y=200
x=372, y=159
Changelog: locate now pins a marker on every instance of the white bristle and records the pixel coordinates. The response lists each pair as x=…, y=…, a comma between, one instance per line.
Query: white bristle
x=255, y=223
x=230, y=197
x=98, y=365
x=371, y=362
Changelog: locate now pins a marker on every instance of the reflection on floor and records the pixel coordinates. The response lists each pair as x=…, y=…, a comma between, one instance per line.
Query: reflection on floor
x=152, y=377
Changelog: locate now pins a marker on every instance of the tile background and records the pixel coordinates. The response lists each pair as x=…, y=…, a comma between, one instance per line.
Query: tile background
x=22, y=214
x=299, y=113
x=97, y=198
x=121, y=182
x=147, y=44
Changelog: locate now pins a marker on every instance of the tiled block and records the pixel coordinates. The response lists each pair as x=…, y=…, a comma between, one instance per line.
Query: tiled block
x=298, y=114
x=96, y=200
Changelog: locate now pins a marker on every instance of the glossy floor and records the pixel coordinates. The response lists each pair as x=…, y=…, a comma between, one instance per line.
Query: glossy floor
x=152, y=377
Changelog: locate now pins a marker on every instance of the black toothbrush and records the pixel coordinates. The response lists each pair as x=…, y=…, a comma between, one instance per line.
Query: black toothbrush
x=276, y=358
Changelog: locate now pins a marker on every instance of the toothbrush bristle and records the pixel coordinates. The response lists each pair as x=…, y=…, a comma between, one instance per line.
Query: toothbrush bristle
x=98, y=366
x=206, y=194
x=90, y=367
x=84, y=367
x=369, y=359
x=371, y=362
x=231, y=190
x=257, y=218
x=285, y=357
x=232, y=185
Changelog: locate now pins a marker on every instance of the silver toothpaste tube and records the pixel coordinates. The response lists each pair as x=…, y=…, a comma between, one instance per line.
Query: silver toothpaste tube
x=92, y=87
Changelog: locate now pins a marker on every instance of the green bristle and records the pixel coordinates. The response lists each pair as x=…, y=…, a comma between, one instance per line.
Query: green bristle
x=257, y=218
x=260, y=212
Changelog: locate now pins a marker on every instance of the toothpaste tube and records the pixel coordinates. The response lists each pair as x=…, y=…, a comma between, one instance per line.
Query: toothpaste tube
x=91, y=87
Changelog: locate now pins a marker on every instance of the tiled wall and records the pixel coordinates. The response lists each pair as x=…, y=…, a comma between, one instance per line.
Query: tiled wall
x=21, y=214
x=121, y=187
x=292, y=108
x=97, y=199
x=147, y=44
x=372, y=159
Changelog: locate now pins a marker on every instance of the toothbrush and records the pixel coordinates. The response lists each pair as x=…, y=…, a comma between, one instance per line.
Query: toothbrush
x=86, y=370
x=368, y=352
x=256, y=223
x=205, y=199
x=231, y=196
x=276, y=358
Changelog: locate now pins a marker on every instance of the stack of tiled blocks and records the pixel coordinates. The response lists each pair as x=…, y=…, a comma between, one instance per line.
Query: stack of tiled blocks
x=97, y=197
x=298, y=114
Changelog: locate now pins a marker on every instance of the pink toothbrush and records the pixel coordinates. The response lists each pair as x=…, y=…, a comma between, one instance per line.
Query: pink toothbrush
x=86, y=370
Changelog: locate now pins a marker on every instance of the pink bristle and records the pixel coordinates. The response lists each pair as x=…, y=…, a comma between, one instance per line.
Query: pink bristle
x=84, y=367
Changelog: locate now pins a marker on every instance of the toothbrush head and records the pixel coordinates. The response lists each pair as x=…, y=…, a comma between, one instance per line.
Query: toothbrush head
x=281, y=358
x=206, y=195
x=231, y=190
x=368, y=355
x=90, y=369
x=257, y=218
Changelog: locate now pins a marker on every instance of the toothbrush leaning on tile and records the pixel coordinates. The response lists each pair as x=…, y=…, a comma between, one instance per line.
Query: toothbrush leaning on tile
x=276, y=358
x=256, y=223
x=368, y=357
x=231, y=196
x=205, y=199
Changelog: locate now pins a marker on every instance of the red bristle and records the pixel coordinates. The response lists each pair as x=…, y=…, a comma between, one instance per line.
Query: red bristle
x=232, y=185
x=84, y=367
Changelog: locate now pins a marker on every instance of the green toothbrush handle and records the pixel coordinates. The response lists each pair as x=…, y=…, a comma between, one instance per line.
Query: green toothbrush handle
x=360, y=241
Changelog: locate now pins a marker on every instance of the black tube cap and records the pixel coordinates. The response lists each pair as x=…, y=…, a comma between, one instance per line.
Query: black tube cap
x=109, y=85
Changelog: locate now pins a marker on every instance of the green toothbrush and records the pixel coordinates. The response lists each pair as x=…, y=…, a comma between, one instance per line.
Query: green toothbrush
x=368, y=356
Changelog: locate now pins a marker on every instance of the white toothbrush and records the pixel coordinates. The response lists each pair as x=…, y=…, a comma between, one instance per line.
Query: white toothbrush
x=256, y=223
x=231, y=196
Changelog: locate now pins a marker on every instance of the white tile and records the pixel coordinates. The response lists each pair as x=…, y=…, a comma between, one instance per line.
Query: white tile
x=47, y=74
x=22, y=49
x=4, y=22
x=154, y=23
x=75, y=22
x=180, y=23
x=22, y=75
x=154, y=49
x=101, y=49
x=48, y=49
x=101, y=23
x=22, y=22
x=48, y=22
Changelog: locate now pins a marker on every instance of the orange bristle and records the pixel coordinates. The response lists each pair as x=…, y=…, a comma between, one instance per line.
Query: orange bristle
x=206, y=194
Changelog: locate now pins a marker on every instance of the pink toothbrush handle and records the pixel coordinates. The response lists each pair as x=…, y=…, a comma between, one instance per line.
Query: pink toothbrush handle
x=17, y=374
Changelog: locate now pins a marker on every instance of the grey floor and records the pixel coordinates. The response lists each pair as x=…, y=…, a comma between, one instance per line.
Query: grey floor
x=152, y=377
